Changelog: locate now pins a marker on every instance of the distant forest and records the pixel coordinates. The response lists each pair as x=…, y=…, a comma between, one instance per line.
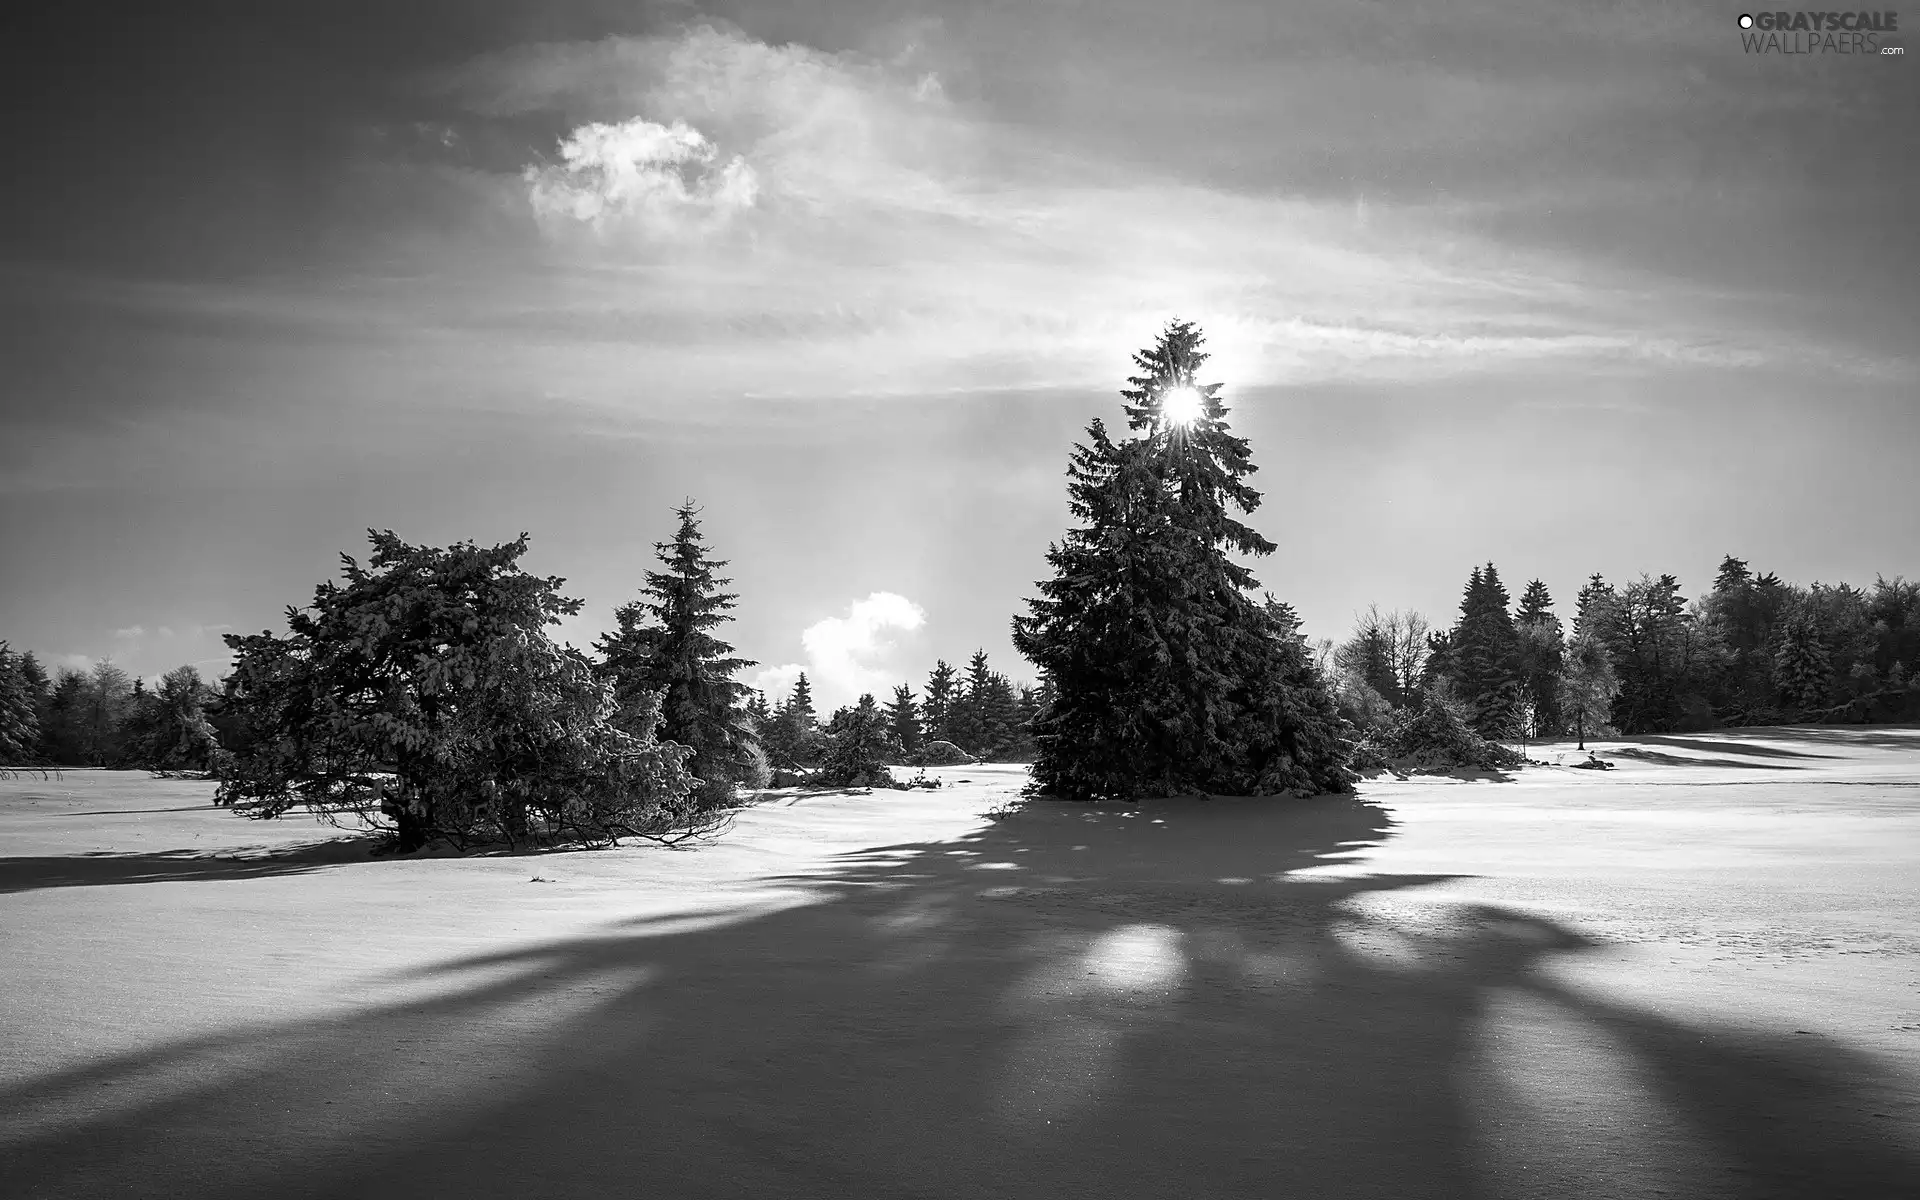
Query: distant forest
x=1642, y=658
x=1639, y=658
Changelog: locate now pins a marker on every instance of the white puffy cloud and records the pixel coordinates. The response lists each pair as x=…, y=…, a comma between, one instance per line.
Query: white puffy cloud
x=847, y=655
x=664, y=179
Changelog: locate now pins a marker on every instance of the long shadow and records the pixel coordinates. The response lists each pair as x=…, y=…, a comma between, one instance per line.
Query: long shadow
x=1075, y=1001
x=30, y=873
x=1724, y=746
x=1885, y=737
x=1640, y=754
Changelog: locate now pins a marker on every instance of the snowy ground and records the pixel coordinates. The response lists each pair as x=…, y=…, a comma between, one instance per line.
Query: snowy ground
x=1697, y=975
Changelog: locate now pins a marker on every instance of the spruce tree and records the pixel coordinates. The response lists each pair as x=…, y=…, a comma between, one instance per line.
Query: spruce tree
x=1802, y=666
x=1486, y=655
x=19, y=712
x=859, y=745
x=1542, y=653
x=758, y=709
x=1597, y=610
x=665, y=644
x=799, y=705
x=903, y=719
x=1169, y=678
x=984, y=710
x=936, y=708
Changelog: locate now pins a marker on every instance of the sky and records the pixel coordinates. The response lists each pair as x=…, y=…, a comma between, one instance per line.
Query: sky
x=1565, y=288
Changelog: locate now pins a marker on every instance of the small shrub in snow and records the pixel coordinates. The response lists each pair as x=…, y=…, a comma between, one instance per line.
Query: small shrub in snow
x=1435, y=738
x=941, y=754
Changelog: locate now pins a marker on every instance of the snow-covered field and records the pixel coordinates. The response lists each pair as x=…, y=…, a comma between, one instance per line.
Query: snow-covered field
x=1697, y=975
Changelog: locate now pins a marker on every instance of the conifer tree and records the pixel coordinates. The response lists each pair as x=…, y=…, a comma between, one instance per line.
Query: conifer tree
x=1542, y=652
x=665, y=644
x=799, y=706
x=903, y=719
x=936, y=707
x=1485, y=652
x=19, y=712
x=424, y=690
x=859, y=744
x=983, y=717
x=1168, y=676
x=1802, y=666
x=1596, y=610
x=1649, y=641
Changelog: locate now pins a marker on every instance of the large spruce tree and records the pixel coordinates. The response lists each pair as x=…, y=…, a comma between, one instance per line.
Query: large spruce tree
x=665, y=643
x=1168, y=676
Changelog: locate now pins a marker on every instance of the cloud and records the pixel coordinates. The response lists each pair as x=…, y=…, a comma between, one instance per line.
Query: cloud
x=664, y=180
x=130, y=634
x=886, y=239
x=844, y=654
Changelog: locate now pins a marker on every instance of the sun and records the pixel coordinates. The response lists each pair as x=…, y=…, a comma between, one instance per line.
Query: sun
x=1182, y=405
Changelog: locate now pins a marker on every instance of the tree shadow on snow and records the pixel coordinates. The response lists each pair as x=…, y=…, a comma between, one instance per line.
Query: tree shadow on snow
x=1074, y=1001
x=26, y=874
x=1725, y=745
x=1639, y=754
x=1884, y=737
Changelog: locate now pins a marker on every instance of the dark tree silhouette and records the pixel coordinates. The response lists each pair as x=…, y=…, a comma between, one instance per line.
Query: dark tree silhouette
x=424, y=692
x=665, y=643
x=1168, y=676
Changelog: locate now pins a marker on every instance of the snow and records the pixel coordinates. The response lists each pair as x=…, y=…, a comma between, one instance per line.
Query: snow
x=1694, y=974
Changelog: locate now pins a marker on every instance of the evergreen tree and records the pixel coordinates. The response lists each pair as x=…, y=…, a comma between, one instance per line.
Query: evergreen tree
x=799, y=706
x=1650, y=643
x=936, y=708
x=1028, y=703
x=983, y=712
x=424, y=690
x=1486, y=655
x=1542, y=651
x=63, y=731
x=171, y=731
x=791, y=736
x=1596, y=609
x=1169, y=678
x=19, y=711
x=1439, y=667
x=1801, y=666
x=757, y=709
x=903, y=720
x=665, y=644
x=860, y=744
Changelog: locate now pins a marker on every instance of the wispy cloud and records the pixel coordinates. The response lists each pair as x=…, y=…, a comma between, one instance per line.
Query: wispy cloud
x=882, y=238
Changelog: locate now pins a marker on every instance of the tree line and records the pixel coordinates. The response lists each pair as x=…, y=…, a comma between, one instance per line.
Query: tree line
x=1642, y=658
x=978, y=714
x=103, y=717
